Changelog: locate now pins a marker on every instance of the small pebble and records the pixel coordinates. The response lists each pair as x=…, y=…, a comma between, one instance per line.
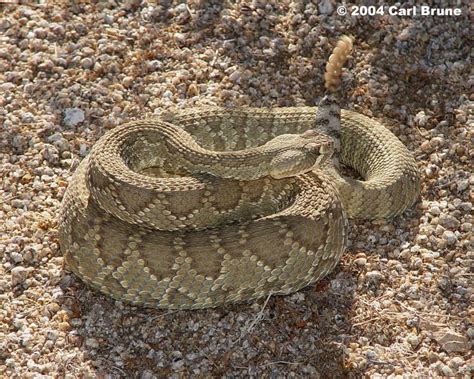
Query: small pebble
x=19, y=275
x=413, y=340
x=374, y=276
x=360, y=261
x=449, y=237
x=73, y=116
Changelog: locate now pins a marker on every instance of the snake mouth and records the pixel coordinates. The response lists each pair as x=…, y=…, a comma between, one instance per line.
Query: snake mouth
x=325, y=151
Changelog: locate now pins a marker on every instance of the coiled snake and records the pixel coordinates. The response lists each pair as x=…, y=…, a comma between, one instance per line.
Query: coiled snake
x=209, y=206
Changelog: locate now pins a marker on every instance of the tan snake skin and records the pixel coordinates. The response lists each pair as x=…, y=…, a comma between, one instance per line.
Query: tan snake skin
x=134, y=228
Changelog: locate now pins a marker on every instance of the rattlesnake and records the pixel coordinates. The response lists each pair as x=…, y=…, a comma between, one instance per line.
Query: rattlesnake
x=187, y=211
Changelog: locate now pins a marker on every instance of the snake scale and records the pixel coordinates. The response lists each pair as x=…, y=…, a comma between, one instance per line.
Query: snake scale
x=208, y=206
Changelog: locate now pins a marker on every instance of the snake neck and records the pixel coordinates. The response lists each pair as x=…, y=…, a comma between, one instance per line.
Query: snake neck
x=160, y=144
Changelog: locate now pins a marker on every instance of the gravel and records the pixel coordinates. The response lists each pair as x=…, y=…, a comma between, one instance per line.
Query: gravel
x=400, y=301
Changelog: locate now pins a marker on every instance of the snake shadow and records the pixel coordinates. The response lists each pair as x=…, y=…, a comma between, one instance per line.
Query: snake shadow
x=303, y=333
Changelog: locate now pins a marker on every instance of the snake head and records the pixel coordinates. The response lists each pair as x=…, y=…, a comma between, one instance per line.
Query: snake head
x=294, y=154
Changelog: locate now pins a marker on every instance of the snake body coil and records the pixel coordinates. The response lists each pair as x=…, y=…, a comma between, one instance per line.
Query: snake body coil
x=138, y=224
x=210, y=206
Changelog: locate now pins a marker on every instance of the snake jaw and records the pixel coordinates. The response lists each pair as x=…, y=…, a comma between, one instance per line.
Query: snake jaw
x=326, y=153
x=301, y=156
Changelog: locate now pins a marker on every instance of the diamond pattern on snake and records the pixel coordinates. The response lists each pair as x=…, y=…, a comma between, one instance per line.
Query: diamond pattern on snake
x=209, y=206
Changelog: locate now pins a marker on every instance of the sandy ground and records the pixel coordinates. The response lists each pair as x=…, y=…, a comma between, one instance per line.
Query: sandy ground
x=399, y=303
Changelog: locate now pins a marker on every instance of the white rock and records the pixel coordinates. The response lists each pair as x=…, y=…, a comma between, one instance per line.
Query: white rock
x=178, y=364
x=73, y=116
x=52, y=334
x=470, y=333
x=19, y=275
x=462, y=185
x=16, y=257
x=108, y=19
x=466, y=206
x=449, y=221
x=456, y=362
x=180, y=37
x=180, y=8
x=447, y=371
x=7, y=86
x=421, y=119
x=27, y=117
x=370, y=354
x=413, y=340
x=360, y=261
x=26, y=339
x=148, y=375
x=451, y=341
x=449, y=237
x=374, y=276
x=326, y=7
x=168, y=94
x=87, y=63
x=92, y=343
x=434, y=210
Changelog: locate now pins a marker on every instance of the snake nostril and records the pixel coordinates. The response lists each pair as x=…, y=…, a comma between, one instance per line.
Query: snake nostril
x=313, y=147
